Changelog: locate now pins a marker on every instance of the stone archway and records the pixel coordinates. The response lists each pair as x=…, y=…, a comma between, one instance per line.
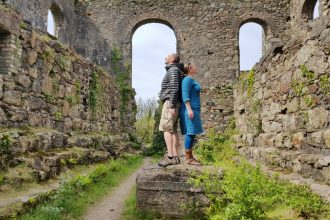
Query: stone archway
x=146, y=19
x=308, y=9
x=267, y=33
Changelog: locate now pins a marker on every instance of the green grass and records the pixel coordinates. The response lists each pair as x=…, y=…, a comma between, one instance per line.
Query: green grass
x=248, y=193
x=131, y=211
x=73, y=197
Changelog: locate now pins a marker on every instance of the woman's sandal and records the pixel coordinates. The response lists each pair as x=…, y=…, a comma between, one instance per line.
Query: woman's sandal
x=194, y=162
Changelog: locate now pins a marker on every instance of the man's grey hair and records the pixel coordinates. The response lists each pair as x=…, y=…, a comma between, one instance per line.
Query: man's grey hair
x=176, y=57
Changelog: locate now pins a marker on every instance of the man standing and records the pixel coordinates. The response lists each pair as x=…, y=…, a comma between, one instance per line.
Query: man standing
x=170, y=95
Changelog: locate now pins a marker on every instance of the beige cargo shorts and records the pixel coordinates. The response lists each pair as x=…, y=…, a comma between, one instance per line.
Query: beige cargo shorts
x=168, y=122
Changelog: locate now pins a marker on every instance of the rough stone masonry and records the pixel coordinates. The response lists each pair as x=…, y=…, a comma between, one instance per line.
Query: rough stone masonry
x=281, y=108
x=206, y=31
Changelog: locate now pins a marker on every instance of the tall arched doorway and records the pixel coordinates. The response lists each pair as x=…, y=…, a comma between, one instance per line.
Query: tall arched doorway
x=151, y=43
x=251, y=44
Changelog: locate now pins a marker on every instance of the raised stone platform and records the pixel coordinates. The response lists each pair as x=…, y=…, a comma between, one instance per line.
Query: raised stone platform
x=168, y=193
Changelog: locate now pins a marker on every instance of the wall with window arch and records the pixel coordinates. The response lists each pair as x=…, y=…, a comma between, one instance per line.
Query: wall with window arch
x=282, y=108
x=301, y=16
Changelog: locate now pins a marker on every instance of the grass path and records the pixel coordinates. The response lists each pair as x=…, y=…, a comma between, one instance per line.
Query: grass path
x=73, y=199
x=112, y=206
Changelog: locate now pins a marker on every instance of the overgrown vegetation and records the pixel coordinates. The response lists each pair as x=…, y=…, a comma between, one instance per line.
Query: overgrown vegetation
x=145, y=121
x=158, y=145
x=74, y=196
x=123, y=78
x=247, y=78
x=93, y=91
x=325, y=84
x=5, y=144
x=5, y=151
x=245, y=191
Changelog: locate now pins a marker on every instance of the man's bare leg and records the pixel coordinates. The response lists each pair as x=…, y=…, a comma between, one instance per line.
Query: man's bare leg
x=176, y=144
x=168, y=136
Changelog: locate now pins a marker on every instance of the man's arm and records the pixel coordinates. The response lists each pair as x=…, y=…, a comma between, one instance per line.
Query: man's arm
x=174, y=86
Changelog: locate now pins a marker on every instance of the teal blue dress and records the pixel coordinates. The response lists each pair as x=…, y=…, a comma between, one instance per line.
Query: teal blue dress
x=190, y=92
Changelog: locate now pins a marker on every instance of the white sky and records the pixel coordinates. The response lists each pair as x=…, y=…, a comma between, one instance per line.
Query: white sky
x=151, y=44
x=50, y=23
x=316, y=10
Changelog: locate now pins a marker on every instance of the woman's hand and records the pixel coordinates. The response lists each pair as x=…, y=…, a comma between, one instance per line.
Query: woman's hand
x=190, y=114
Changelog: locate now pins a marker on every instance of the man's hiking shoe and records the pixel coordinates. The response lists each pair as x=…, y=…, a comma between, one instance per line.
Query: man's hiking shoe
x=166, y=162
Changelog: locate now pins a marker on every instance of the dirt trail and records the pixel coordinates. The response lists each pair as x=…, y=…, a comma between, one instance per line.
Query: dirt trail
x=112, y=206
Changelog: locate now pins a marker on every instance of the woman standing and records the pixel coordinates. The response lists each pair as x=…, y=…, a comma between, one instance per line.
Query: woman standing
x=190, y=120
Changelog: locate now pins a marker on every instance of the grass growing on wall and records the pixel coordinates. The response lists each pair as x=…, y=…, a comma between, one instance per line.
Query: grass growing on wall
x=246, y=192
x=73, y=197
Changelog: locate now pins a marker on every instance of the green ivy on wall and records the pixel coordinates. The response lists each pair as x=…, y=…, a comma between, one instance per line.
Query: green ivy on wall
x=123, y=78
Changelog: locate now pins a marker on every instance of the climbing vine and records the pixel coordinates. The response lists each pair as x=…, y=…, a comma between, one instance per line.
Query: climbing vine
x=247, y=79
x=325, y=84
x=93, y=91
x=123, y=76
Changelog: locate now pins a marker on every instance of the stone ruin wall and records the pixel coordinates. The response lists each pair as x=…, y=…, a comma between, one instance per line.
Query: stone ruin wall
x=206, y=31
x=75, y=28
x=283, y=115
x=207, y=34
x=273, y=119
x=46, y=85
x=46, y=115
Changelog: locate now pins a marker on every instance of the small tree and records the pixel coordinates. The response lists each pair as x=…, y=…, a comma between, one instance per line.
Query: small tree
x=158, y=145
x=145, y=119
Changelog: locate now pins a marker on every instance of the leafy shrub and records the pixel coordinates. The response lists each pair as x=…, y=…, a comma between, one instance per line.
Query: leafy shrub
x=215, y=147
x=158, y=145
x=245, y=192
x=5, y=145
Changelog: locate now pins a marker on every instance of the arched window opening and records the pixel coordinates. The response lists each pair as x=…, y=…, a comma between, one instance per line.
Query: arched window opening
x=251, y=45
x=311, y=9
x=54, y=20
x=151, y=43
x=316, y=12
x=51, y=25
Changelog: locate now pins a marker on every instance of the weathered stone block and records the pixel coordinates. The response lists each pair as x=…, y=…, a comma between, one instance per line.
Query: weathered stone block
x=24, y=81
x=47, y=85
x=293, y=106
x=12, y=97
x=292, y=122
x=264, y=138
x=318, y=118
x=1, y=85
x=166, y=191
x=36, y=103
x=298, y=140
x=33, y=73
x=32, y=57
x=2, y=116
x=36, y=86
x=327, y=138
x=315, y=139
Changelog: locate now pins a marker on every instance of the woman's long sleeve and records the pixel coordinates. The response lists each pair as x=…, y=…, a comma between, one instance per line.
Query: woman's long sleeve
x=187, y=85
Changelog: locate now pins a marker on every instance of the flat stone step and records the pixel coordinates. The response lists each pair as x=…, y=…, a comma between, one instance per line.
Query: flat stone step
x=321, y=189
x=166, y=191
